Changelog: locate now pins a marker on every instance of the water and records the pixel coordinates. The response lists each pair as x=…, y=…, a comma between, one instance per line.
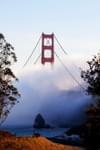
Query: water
x=51, y=132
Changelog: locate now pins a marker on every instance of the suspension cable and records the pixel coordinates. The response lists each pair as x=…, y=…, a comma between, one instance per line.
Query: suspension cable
x=31, y=53
x=67, y=70
x=60, y=45
x=37, y=59
x=66, y=53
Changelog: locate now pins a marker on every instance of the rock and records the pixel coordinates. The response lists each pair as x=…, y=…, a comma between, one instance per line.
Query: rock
x=39, y=122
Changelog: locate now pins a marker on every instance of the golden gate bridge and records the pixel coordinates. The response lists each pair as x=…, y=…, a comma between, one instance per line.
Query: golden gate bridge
x=48, y=54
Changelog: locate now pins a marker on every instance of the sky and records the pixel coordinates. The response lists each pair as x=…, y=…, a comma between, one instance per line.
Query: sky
x=75, y=23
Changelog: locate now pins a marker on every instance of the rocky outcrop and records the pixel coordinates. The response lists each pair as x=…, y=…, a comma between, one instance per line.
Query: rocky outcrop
x=39, y=122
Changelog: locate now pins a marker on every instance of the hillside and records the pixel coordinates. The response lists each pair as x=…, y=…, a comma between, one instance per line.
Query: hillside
x=30, y=143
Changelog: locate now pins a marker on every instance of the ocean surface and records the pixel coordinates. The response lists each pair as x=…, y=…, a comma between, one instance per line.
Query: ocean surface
x=29, y=131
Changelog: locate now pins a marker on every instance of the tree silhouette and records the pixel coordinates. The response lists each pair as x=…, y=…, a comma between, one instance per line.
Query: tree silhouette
x=8, y=92
x=92, y=77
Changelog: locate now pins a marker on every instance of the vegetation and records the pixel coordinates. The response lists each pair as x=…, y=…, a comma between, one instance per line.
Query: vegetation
x=92, y=77
x=30, y=143
x=8, y=92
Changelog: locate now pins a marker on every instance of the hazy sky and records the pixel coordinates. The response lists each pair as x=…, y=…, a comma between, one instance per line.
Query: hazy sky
x=76, y=23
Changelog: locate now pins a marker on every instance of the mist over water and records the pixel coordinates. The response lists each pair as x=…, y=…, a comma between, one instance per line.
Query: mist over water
x=41, y=93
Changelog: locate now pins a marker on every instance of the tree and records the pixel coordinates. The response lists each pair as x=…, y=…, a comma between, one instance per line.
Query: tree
x=92, y=77
x=8, y=92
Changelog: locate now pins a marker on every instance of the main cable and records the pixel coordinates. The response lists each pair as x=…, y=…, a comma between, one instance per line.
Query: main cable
x=66, y=53
x=37, y=59
x=31, y=53
x=60, y=45
x=67, y=70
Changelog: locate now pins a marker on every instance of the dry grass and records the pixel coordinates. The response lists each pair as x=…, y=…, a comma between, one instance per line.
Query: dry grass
x=31, y=143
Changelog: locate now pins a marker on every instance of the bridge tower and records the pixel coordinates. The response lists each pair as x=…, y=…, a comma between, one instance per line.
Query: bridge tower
x=47, y=54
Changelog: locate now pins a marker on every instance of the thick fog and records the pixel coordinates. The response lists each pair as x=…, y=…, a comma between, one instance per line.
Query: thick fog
x=50, y=93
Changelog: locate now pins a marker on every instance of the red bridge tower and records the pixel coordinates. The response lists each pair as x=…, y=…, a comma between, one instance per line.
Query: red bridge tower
x=47, y=48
